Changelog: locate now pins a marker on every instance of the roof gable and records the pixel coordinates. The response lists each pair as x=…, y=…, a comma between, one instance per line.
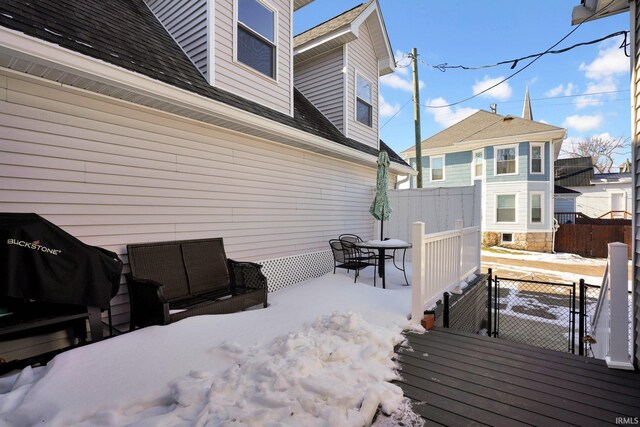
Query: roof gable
x=344, y=28
x=485, y=126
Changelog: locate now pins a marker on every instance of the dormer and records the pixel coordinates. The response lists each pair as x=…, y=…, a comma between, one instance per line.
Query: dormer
x=337, y=65
x=241, y=46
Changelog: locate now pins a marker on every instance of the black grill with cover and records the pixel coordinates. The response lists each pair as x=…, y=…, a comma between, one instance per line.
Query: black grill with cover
x=48, y=277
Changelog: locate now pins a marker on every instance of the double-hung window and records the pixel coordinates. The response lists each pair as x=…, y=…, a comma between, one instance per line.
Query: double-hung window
x=256, y=36
x=506, y=208
x=478, y=162
x=536, y=208
x=364, y=105
x=437, y=168
x=506, y=160
x=537, y=158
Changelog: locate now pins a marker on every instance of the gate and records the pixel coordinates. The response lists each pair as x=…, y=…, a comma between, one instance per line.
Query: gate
x=543, y=314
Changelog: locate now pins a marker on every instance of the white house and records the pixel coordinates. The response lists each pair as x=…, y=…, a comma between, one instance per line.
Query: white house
x=513, y=158
x=130, y=121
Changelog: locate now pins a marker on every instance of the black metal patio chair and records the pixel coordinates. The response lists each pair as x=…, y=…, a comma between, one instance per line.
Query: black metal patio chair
x=349, y=257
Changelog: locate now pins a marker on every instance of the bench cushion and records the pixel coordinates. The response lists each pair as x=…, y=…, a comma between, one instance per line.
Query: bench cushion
x=161, y=262
x=206, y=265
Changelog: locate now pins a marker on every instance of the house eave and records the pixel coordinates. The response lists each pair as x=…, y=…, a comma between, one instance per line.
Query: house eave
x=590, y=10
x=27, y=54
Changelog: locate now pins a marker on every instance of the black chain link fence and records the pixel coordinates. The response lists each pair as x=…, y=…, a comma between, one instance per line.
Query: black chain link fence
x=536, y=313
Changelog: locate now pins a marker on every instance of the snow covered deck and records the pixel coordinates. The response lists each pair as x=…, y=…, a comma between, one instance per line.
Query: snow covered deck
x=457, y=379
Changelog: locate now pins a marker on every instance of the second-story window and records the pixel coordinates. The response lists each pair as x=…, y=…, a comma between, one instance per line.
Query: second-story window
x=256, y=39
x=478, y=157
x=437, y=168
x=364, y=108
x=506, y=160
x=537, y=156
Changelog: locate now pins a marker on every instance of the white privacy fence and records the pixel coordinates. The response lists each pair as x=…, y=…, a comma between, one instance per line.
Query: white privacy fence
x=438, y=208
x=610, y=325
x=440, y=261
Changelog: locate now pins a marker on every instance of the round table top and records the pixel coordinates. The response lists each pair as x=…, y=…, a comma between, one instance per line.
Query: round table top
x=384, y=244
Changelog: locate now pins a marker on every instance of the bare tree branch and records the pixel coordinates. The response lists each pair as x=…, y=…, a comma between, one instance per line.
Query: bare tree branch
x=600, y=149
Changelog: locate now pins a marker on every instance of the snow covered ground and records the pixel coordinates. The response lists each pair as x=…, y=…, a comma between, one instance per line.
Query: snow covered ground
x=320, y=354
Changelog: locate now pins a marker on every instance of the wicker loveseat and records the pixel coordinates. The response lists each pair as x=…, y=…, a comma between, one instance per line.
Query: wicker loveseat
x=170, y=281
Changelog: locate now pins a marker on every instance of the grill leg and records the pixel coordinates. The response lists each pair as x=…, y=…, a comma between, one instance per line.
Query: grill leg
x=95, y=323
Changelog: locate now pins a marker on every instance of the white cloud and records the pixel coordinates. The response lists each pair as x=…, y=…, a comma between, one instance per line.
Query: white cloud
x=583, y=123
x=605, y=85
x=447, y=116
x=403, y=62
x=611, y=61
x=561, y=90
x=396, y=82
x=386, y=109
x=502, y=92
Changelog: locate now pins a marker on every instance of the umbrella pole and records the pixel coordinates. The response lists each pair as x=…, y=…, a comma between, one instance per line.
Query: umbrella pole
x=382, y=226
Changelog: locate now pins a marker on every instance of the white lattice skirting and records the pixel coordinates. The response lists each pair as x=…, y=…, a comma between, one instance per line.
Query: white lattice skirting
x=284, y=272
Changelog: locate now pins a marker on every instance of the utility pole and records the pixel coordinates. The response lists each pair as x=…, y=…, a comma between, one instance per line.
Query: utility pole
x=416, y=114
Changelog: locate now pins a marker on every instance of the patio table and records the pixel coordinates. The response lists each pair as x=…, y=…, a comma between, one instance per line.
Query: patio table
x=382, y=246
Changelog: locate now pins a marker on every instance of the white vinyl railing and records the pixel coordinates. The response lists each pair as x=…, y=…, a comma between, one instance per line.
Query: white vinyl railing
x=610, y=322
x=440, y=262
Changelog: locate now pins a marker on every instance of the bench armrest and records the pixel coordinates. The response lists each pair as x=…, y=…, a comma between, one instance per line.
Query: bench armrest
x=148, y=304
x=247, y=274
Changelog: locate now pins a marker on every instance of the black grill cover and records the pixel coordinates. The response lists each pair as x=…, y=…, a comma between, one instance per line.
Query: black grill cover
x=40, y=261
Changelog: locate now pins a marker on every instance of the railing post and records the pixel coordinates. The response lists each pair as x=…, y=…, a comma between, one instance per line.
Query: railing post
x=619, y=310
x=445, y=309
x=489, y=313
x=417, y=269
x=582, y=316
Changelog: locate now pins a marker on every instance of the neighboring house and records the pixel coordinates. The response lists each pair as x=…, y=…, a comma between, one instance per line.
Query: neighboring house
x=130, y=121
x=606, y=195
x=596, y=9
x=513, y=158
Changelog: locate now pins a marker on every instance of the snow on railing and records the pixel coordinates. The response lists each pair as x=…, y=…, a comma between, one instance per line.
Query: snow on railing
x=440, y=261
x=610, y=322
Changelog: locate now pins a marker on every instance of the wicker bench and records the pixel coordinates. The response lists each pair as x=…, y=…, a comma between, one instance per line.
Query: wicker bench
x=170, y=281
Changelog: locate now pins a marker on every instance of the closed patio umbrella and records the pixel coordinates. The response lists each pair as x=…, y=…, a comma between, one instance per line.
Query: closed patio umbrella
x=380, y=207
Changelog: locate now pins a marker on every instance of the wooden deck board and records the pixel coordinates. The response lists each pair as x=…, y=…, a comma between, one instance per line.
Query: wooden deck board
x=462, y=379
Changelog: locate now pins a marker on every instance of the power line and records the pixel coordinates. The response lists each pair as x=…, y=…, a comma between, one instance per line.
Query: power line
x=523, y=68
x=443, y=67
x=396, y=113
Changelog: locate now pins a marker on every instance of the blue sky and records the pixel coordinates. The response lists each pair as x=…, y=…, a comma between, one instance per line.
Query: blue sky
x=475, y=33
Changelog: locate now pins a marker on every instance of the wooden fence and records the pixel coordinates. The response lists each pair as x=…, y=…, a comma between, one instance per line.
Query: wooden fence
x=591, y=239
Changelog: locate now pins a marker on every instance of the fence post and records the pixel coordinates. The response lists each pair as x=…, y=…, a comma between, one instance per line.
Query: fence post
x=582, y=316
x=619, y=308
x=489, y=314
x=459, y=228
x=417, y=269
x=445, y=309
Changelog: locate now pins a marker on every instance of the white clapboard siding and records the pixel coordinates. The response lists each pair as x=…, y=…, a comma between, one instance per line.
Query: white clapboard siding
x=362, y=59
x=186, y=21
x=242, y=80
x=321, y=80
x=111, y=174
x=635, y=8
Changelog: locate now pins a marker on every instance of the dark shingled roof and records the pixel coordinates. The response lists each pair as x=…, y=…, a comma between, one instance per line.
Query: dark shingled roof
x=575, y=172
x=558, y=189
x=125, y=33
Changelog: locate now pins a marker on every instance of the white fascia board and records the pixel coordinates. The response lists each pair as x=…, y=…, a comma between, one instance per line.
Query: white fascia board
x=544, y=136
x=324, y=39
x=386, y=63
x=591, y=10
x=18, y=44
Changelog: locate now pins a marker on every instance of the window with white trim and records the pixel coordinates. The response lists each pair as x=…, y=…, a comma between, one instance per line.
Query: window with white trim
x=437, y=168
x=536, y=156
x=256, y=36
x=478, y=164
x=364, y=107
x=536, y=208
x=506, y=158
x=506, y=208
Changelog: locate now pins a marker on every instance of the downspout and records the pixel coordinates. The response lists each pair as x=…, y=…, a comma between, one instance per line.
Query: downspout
x=552, y=180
